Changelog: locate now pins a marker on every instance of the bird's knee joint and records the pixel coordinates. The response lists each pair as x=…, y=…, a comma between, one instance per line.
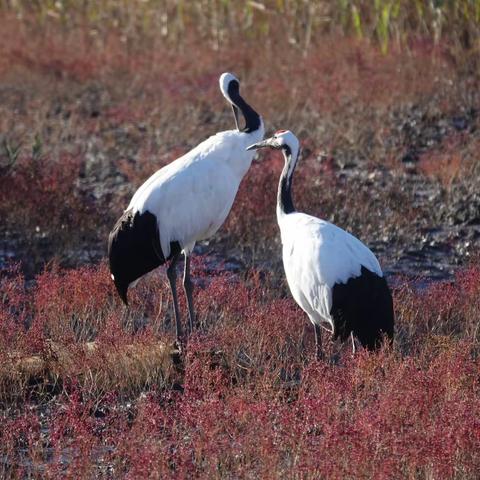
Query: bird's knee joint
x=171, y=273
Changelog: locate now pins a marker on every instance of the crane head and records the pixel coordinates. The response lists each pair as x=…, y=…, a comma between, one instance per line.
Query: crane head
x=229, y=85
x=281, y=140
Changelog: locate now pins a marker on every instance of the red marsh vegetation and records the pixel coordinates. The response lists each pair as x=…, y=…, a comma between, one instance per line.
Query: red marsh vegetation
x=94, y=97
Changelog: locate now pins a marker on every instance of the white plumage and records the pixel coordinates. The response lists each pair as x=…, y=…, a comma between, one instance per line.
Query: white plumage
x=184, y=202
x=337, y=254
x=192, y=196
x=332, y=275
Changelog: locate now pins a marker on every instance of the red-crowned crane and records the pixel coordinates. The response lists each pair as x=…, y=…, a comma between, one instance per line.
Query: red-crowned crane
x=182, y=203
x=332, y=275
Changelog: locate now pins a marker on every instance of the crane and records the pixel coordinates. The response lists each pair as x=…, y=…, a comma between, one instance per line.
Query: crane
x=332, y=275
x=182, y=203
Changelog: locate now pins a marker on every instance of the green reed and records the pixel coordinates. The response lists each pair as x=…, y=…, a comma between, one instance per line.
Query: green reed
x=302, y=22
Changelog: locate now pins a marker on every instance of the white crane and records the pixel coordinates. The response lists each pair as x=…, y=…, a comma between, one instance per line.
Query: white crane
x=182, y=203
x=332, y=275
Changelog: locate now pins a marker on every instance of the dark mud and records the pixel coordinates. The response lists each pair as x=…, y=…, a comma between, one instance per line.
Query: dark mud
x=443, y=236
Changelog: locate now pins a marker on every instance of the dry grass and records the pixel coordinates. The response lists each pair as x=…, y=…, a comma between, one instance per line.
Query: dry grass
x=96, y=367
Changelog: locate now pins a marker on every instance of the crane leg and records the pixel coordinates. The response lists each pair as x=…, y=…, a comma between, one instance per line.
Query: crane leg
x=355, y=343
x=188, y=287
x=172, y=278
x=318, y=342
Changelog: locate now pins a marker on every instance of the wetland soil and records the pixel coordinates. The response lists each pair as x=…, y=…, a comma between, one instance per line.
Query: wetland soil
x=421, y=217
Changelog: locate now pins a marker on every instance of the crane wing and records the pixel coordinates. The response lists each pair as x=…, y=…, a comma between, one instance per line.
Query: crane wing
x=317, y=255
x=192, y=196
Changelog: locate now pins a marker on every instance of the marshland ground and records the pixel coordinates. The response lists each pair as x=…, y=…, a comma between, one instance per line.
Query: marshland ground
x=94, y=97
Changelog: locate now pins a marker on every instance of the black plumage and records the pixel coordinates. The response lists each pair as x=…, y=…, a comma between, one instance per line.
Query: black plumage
x=363, y=306
x=134, y=249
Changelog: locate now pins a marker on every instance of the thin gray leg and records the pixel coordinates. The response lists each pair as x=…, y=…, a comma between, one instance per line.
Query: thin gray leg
x=172, y=278
x=318, y=341
x=354, y=343
x=188, y=287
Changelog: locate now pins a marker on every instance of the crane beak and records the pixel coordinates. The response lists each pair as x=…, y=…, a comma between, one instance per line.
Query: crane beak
x=235, y=116
x=256, y=146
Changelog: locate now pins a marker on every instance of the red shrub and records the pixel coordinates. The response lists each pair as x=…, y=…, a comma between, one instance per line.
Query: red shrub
x=252, y=402
x=73, y=304
x=43, y=192
x=15, y=307
x=440, y=311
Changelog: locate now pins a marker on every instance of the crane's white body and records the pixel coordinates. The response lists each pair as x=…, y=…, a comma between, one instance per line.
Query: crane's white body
x=332, y=275
x=192, y=196
x=182, y=203
x=316, y=256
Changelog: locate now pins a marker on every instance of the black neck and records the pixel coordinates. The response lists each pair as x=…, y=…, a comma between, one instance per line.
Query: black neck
x=284, y=197
x=252, y=118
